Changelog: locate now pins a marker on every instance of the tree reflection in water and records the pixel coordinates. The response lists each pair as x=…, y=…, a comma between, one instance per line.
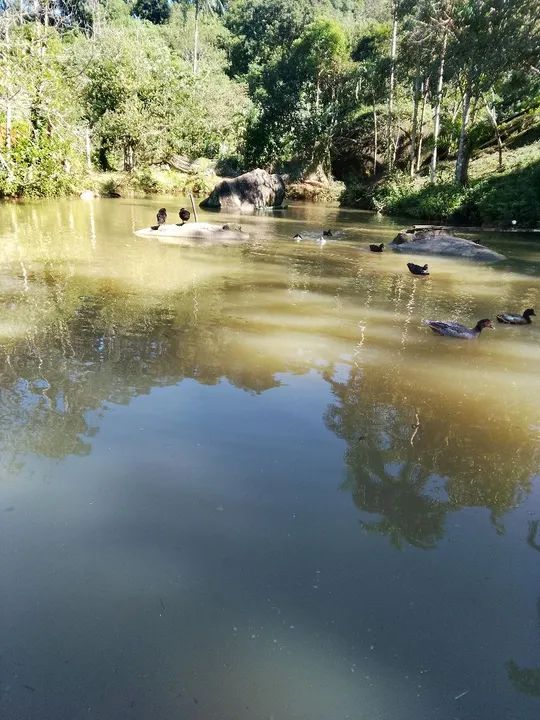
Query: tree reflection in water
x=91, y=345
x=412, y=484
x=526, y=680
x=89, y=340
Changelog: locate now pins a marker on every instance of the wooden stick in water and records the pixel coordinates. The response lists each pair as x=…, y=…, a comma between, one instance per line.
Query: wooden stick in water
x=193, y=207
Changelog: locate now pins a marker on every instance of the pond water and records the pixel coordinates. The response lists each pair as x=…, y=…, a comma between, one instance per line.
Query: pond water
x=248, y=483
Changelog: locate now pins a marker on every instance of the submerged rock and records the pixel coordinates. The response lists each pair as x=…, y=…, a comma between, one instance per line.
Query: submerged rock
x=253, y=190
x=438, y=242
x=195, y=233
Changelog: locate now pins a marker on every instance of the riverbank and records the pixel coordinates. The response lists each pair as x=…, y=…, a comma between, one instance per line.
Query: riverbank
x=151, y=181
x=493, y=197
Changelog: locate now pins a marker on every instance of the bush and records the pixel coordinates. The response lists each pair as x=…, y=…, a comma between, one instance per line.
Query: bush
x=493, y=199
x=43, y=165
x=145, y=182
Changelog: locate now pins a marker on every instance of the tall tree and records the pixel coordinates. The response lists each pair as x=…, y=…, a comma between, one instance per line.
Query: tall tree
x=491, y=38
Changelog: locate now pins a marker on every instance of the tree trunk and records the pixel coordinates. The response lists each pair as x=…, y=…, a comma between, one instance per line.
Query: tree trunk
x=462, y=161
x=375, y=137
x=390, y=153
x=88, y=148
x=8, y=94
x=102, y=158
x=416, y=96
x=196, y=40
x=492, y=114
x=128, y=157
x=437, y=113
x=425, y=90
x=8, y=124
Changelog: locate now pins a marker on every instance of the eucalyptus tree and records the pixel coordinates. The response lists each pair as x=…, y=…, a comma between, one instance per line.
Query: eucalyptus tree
x=210, y=6
x=491, y=38
x=426, y=43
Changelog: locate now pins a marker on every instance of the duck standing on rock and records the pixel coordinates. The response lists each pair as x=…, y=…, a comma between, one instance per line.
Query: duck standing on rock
x=161, y=218
x=184, y=216
x=418, y=269
x=377, y=248
x=453, y=329
x=524, y=319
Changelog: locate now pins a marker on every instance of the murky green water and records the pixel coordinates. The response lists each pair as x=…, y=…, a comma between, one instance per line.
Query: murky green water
x=247, y=483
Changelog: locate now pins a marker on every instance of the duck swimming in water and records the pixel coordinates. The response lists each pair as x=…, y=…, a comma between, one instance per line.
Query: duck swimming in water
x=418, y=269
x=377, y=248
x=161, y=218
x=453, y=329
x=327, y=233
x=184, y=215
x=524, y=319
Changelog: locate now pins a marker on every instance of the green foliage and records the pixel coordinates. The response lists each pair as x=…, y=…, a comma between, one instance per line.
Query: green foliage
x=262, y=30
x=494, y=199
x=298, y=100
x=147, y=183
x=156, y=11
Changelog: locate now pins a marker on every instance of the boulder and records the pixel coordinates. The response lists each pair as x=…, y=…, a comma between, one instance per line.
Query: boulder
x=435, y=242
x=87, y=195
x=253, y=190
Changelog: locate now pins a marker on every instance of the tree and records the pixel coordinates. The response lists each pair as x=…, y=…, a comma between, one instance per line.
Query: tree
x=156, y=11
x=491, y=38
x=263, y=30
x=298, y=98
x=371, y=55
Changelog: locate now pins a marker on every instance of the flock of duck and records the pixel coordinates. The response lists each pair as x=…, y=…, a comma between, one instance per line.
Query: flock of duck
x=450, y=329
x=441, y=327
x=161, y=217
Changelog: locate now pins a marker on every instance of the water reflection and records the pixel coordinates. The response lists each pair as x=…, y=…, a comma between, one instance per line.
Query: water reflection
x=526, y=680
x=414, y=453
x=224, y=510
x=411, y=478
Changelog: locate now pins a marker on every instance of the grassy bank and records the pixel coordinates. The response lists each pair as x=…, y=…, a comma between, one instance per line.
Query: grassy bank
x=149, y=181
x=492, y=197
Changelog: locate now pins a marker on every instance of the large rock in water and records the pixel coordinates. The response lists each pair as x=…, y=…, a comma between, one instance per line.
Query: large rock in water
x=253, y=190
x=436, y=242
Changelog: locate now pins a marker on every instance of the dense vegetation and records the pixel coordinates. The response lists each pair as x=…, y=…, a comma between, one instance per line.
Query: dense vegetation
x=396, y=98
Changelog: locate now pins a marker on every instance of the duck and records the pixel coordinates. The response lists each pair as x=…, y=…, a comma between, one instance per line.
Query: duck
x=298, y=237
x=184, y=215
x=161, y=218
x=509, y=319
x=453, y=329
x=377, y=248
x=327, y=233
x=418, y=269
